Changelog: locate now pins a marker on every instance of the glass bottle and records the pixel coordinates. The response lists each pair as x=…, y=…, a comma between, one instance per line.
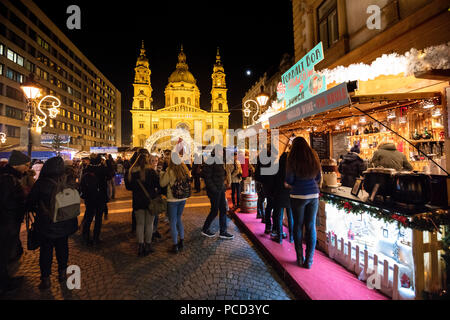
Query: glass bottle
x=426, y=134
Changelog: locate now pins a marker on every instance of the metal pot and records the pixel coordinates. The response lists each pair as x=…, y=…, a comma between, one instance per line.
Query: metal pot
x=411, y=188
x=381, y=176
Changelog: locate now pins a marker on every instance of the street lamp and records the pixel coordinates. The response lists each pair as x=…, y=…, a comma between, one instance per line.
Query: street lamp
x=32, y=92
x=261, y=100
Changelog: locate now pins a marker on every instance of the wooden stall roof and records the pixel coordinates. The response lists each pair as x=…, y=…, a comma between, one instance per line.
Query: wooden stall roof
x=367, y=103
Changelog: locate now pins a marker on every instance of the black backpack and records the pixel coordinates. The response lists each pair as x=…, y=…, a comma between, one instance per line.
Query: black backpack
x=89, y=186
x=181, y=189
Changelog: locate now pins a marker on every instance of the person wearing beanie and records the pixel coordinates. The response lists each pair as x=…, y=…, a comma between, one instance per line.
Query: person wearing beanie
x=351, y=167
x=12, y=202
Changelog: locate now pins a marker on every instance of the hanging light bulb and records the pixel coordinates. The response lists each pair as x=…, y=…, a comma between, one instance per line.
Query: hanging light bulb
x=402, y=119
x=391, y=114
x=363, y=120
x=337, y=127
x=341, y=123
x=354, y=127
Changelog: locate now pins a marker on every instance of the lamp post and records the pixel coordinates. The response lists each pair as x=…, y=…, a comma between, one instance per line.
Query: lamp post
x=32, y=92
x=261, y=100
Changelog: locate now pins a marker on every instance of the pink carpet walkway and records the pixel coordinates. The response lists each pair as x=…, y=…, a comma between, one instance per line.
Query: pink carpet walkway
x=326, y=280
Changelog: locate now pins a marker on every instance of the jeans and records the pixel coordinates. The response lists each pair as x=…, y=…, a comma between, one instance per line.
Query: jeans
x=218, y=205
x=93, y=209
x=268, y=214
x=235, y=193
x=278, y=214
x=174, y=211
x=144, y=226
x=46, y=255
x=304, y=214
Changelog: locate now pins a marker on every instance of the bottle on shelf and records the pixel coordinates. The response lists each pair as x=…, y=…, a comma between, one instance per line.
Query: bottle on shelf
x=416, y=135
x=426, y=134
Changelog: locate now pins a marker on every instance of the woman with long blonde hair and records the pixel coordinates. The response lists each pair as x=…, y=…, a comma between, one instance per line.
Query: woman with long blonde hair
x=177, y=179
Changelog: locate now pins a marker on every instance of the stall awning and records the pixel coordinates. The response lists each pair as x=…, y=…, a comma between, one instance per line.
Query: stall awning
x=328, y=100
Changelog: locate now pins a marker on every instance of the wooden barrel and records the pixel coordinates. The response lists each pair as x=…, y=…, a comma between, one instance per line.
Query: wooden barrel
x=249, y=202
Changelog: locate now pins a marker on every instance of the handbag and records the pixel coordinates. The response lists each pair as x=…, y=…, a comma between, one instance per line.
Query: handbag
x=157, y=205
x=181, y=189
x=33, y=237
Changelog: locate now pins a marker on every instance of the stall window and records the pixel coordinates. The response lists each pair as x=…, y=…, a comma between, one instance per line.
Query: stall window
x=328, y=23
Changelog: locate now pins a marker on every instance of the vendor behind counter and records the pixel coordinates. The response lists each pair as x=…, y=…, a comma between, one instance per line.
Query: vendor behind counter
x=388, y=156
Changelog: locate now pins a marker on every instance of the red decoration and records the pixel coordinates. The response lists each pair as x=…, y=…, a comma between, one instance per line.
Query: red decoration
x=348, y=206
x=401, y=219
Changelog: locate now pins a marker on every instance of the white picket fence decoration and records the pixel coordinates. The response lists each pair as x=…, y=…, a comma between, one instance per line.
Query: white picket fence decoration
x=364, y=272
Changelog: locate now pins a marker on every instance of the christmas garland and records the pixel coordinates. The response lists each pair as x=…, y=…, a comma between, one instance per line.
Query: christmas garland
x=425, y=222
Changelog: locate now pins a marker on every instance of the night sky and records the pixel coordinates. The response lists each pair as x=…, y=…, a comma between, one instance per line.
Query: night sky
x=252, y=35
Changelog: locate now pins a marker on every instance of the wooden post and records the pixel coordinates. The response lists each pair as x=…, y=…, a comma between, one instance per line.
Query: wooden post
x=375, y=263
x=419, y=272
x=366, y=263
x=357, y=267
x=349, y=257
x=386, y=274
x=434, y=268
x=395, y=295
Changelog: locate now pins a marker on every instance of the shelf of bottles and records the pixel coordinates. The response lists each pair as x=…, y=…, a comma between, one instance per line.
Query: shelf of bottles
x=421, y=124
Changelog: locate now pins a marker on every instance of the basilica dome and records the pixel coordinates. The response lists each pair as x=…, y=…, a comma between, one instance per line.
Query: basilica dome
x=181, y=73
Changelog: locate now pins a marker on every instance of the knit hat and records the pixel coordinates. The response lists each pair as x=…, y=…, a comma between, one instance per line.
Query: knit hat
x=17, y=158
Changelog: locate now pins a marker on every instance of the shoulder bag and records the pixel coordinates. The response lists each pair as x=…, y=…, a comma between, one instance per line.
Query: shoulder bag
x=33, y=238
x=157, y=205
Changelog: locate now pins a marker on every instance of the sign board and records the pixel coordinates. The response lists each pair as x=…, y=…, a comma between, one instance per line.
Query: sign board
x=301, y=82
x=48, y=138
x=320, y=142
x=330, y=99
x=104, y=149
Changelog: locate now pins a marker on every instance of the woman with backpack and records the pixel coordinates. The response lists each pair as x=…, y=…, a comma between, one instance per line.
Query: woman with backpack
x=42, y=201
x=144, y=183
x=177, y=180
x=303, y=178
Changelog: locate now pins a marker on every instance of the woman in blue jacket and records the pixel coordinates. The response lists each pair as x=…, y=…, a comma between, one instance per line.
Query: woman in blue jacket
x=303, y=177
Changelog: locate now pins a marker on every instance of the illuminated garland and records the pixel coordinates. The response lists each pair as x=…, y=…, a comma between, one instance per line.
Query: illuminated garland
x=424, y=222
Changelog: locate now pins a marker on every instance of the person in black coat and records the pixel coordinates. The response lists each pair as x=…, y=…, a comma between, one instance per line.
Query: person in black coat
x=215, y=179
x=93, y=188
x=281, y=202
x=12, y=212
x=267, y=182
x=351, y=167
x=41, y=200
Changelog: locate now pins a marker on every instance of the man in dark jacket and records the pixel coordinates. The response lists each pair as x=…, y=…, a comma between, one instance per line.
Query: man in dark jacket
x=93, y=188
x=214, y=175
x=12, y=212
x=351, y=167
x=267, y=182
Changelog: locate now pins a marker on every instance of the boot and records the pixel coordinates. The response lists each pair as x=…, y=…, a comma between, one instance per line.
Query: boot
x=148, y=249
x=141, y=250
x=300, y=261
x=174, y=249
x=45, y=283
x=180, y=245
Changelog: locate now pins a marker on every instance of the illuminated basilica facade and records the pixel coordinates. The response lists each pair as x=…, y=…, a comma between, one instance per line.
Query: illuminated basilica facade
x=182, y=102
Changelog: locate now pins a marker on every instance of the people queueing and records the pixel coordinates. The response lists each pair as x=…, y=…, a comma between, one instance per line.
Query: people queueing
x=351, y=167
x=388, y=156
x=112, y=164
x=267, y=184
x=176, y=178
x=215, y=178
x=42, y=201
x=12, y=212
x=144, y=183
x=93, y=189
x=282, y=203
x=234, y=175
x=303, y=177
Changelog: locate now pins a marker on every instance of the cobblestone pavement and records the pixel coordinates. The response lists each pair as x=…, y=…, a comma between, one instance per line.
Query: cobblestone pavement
x=207, y=269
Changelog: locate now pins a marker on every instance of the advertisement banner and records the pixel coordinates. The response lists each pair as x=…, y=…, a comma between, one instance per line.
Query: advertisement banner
x=104, y=149
x=301, y=82
x=330, y=99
